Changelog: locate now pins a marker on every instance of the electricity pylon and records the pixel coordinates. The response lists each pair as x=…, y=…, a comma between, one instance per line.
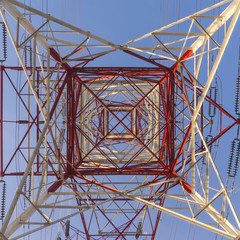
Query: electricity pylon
x=104, y=145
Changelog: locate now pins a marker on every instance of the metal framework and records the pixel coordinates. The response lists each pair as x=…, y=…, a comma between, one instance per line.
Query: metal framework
x=115, y=147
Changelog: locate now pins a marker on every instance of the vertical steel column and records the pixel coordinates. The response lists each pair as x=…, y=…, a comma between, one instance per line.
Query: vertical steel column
x=70, y=122
x=37, y=127
x=172, y=117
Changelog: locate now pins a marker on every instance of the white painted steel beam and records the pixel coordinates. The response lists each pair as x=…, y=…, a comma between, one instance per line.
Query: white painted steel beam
x=218, y=59
x=217, y=23
x=9, y=6
x=230, y=230
x=24, y=22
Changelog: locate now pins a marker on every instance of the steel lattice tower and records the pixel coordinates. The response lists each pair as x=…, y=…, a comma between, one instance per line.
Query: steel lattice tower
x=113, y=147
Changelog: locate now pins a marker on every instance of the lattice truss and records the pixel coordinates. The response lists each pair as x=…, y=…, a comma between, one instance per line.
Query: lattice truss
x=115, y=147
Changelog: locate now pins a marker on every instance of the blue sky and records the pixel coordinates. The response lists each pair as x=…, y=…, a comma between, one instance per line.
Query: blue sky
x=121, y=21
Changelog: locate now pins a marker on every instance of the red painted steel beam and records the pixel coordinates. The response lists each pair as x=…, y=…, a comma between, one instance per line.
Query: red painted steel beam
x=147, y=60
x=109, y=110
x=150, y=199
x=183, y=58
x=82, y=216
x=100, y=210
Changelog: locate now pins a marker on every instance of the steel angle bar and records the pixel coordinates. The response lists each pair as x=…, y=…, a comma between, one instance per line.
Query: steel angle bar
x=29, y=166
x=236, y=8
x=226, y=14
x=9, y=6
x=21, y=61
x=15, y=224
x=231, y=231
